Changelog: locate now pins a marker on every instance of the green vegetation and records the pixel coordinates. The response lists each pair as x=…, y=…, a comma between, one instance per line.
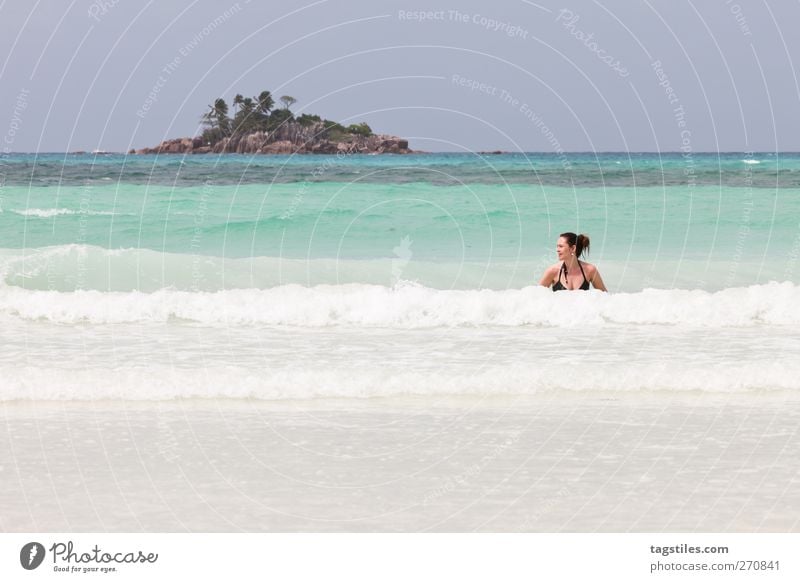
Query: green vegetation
x=333, y=130
x=305, y=120
x=217, y=122
x=288, y=101
x=359, y=129
x=252, y=114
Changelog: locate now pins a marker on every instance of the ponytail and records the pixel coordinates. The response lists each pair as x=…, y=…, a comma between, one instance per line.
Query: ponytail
x=579, y=241
x=582, y=245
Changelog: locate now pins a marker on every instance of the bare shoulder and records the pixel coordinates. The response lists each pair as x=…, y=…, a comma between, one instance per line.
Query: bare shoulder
x=549, y=275
x=552, y=270
x=593, y=276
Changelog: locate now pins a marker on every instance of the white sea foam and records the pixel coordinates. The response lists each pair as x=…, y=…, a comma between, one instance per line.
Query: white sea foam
x=360, y=339
x=39, y=284
x=51, y=212
x=375, y=380
x=412, y=306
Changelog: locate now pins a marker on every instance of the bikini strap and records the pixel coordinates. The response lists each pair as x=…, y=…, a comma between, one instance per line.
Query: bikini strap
x=585, y=280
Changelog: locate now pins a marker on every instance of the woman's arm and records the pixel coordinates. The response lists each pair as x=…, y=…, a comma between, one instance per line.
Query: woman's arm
x=547, y=278
x=597, y=281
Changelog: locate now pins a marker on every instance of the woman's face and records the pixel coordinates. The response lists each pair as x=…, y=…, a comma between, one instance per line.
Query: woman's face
x=563, y=249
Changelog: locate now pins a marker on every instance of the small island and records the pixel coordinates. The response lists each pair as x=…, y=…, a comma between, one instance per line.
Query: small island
x=257, y=127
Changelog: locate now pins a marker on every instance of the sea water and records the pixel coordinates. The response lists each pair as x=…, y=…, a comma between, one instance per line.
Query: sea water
x=281, y=277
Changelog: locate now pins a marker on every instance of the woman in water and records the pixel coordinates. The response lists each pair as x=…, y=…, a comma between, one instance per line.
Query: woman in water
x=570, y=273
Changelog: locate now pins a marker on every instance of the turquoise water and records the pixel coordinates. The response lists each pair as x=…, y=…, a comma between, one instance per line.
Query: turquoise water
x=311, y=277
x=704, y=213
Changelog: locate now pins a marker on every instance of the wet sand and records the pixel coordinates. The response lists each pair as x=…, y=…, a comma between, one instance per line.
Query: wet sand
x=553, y=462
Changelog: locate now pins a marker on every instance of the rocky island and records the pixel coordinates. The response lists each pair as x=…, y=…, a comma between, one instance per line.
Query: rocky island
x=258, y=128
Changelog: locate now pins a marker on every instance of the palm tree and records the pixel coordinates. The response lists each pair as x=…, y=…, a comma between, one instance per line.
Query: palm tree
x=237, y=101
x=217, y=122
x=244, y=120
x=265, y=102
x=220, y=111
x=217, y=115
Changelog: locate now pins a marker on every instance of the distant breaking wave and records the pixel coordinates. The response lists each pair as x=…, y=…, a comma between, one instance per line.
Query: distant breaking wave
x=50, y=212
x=409, y=306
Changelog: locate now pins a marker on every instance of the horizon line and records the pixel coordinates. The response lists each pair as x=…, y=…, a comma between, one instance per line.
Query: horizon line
x=482, y=151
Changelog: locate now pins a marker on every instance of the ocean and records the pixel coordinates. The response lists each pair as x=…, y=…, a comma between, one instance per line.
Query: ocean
x=357, y=276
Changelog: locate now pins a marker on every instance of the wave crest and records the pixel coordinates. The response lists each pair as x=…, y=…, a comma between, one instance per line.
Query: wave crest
x=51, y=212
x=410, y=306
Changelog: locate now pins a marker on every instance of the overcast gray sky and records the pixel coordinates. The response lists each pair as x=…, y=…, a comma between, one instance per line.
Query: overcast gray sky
x=511, y=74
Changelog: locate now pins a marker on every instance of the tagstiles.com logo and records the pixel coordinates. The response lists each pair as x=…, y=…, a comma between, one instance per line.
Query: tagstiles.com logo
x=33, y=554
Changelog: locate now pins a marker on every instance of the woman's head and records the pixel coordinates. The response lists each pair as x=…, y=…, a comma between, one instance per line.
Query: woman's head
x=570, y=243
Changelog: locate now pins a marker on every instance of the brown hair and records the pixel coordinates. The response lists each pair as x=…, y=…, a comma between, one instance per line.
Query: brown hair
x=579, y=241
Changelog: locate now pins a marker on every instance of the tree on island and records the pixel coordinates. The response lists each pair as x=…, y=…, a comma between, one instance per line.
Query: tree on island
x=237, y=101
x=265, y=102
x=359, y=129
x=288, y=101
x=305, y=120
x=279, y=117
x=244, y=121
x=217, y=121
x=252, y=114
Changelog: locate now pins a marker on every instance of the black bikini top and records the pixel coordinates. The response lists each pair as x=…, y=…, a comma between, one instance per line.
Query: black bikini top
x=559, y=287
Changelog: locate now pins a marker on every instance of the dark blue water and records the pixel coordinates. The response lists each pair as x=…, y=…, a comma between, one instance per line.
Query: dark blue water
x=573, y=169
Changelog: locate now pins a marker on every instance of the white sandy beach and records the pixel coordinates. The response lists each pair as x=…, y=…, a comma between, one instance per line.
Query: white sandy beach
x=553, y=462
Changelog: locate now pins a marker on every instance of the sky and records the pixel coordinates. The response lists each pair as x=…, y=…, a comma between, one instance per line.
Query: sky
x=512, y=75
